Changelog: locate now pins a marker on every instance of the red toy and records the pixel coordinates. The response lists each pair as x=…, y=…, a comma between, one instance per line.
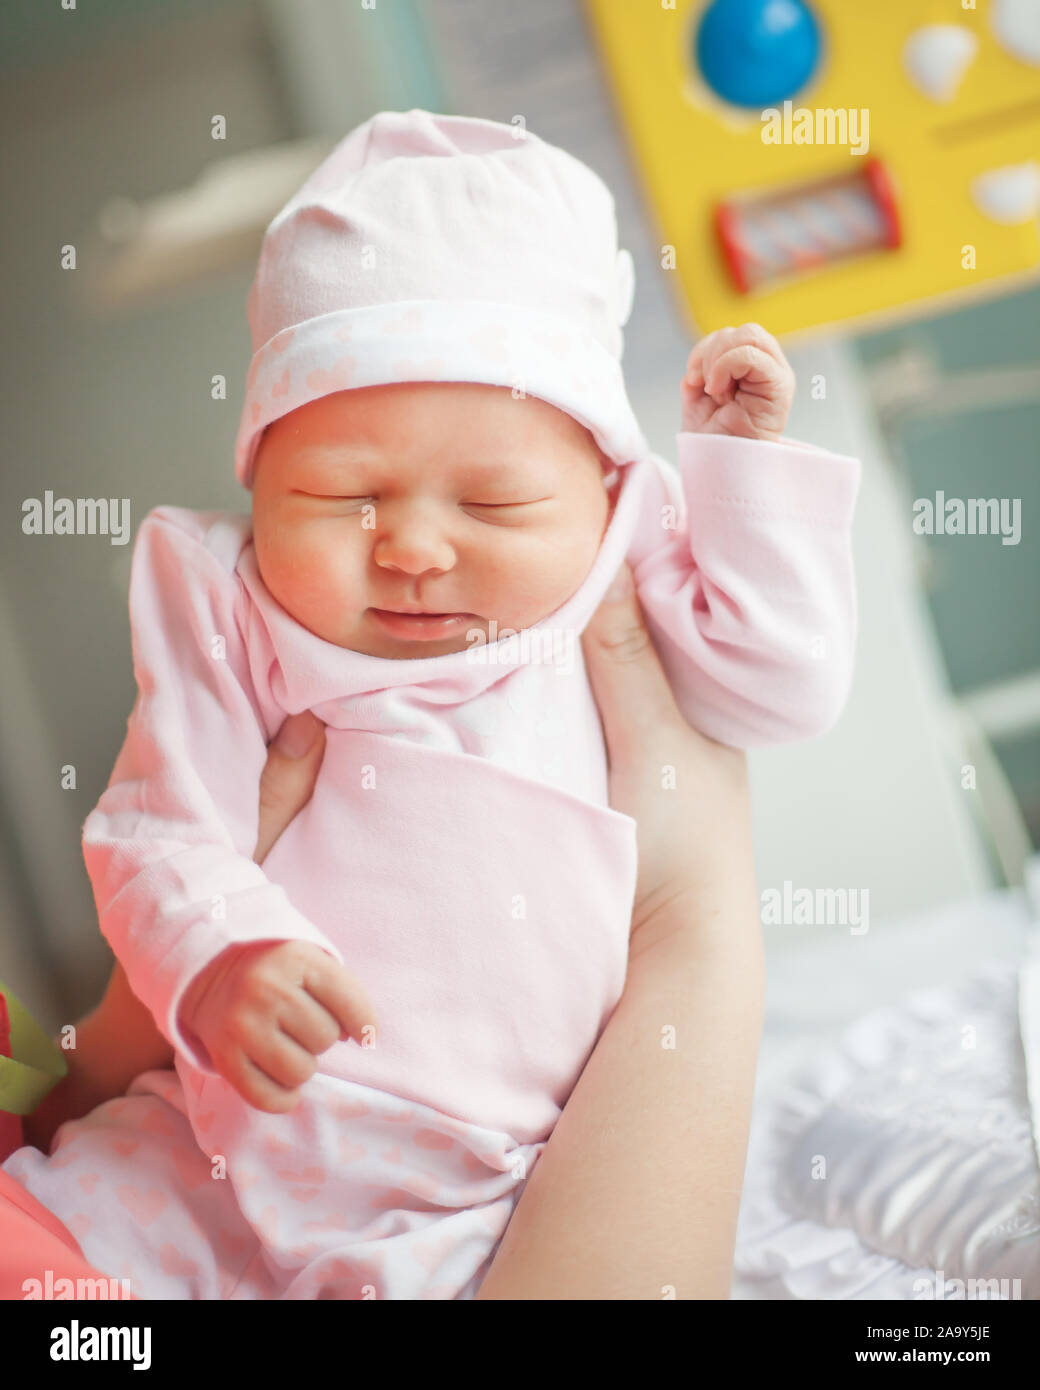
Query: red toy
x=10, y=1125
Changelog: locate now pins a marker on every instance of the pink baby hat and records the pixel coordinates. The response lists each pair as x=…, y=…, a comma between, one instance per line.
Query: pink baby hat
x=443, y=248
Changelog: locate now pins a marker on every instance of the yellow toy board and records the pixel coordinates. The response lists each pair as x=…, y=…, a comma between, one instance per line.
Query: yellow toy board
x=945, y=225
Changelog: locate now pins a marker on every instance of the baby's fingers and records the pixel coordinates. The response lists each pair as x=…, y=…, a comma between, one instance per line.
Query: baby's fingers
x=256, y=1086
x=717, y=387
x=700, y=356
x=711, y=348
x=755, y=369
x=344, y=997
x=696, y=405
x=310, y=1024
x=748, y=335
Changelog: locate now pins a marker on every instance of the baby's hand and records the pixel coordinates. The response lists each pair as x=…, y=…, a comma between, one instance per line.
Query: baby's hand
x=267, y=1010
x=737, y=382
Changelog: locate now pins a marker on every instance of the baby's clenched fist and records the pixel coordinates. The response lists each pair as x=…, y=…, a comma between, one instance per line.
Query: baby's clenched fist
x=265, y=1011
x=737, y=382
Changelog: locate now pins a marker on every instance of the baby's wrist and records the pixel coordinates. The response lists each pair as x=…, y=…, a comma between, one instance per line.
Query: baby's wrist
x=199, y=987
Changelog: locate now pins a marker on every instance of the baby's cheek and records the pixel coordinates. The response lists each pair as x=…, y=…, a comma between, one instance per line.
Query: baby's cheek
x=544, y=572
x=309, y=574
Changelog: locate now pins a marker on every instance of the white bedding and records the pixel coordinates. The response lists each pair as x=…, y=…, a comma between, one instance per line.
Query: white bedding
x=892, y=1135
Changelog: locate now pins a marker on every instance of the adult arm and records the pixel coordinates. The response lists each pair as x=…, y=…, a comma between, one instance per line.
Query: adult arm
x=637, y=1191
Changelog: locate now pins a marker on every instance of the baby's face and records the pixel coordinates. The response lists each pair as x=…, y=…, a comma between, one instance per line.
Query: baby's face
x=439, y=498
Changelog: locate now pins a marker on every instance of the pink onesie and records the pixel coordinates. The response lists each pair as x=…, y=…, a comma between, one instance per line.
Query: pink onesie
x=458, y=855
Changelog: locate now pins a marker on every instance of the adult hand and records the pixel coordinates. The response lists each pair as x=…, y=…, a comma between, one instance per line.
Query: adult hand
x=119, y=1040
x=636, y=1193
x=688, y=795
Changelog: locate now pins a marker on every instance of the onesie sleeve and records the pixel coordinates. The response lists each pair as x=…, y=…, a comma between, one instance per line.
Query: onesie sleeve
x=169, y=845
x=743, y=567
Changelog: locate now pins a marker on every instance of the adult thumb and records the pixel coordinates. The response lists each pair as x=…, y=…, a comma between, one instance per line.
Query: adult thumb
x=288, y=778
x=625, y=672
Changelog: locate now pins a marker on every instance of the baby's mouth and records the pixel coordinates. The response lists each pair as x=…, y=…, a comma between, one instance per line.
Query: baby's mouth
x=421, y=627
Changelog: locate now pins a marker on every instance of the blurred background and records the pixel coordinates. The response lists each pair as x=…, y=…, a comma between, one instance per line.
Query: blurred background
x=932, y=379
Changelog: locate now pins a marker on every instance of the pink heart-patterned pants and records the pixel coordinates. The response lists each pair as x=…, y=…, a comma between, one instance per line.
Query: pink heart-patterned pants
x=356, y=1194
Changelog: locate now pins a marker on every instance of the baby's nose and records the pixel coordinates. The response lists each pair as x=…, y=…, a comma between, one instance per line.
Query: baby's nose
x=413, y=545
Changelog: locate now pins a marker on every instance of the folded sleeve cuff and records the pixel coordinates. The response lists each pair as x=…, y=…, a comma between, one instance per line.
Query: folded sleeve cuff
x=785, y=479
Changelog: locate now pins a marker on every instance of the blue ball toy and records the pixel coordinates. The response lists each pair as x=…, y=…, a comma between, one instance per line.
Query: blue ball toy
x=757, y=53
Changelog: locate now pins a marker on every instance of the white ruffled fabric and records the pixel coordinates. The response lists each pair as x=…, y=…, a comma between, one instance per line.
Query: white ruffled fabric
x=901, y=1161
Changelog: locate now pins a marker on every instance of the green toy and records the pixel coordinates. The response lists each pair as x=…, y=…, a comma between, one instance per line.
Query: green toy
x=34, y=1064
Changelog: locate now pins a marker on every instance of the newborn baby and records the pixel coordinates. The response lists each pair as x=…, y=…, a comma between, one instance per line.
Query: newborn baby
x=375, y=1033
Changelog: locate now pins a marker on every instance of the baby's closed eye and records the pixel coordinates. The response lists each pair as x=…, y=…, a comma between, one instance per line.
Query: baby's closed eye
x=345, y=497
x=526, y=502
x=506, y=513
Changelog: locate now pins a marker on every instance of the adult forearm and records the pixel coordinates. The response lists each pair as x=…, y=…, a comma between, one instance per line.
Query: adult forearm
x=113, y=1044
x=637, y=1192
x=118, y=1041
